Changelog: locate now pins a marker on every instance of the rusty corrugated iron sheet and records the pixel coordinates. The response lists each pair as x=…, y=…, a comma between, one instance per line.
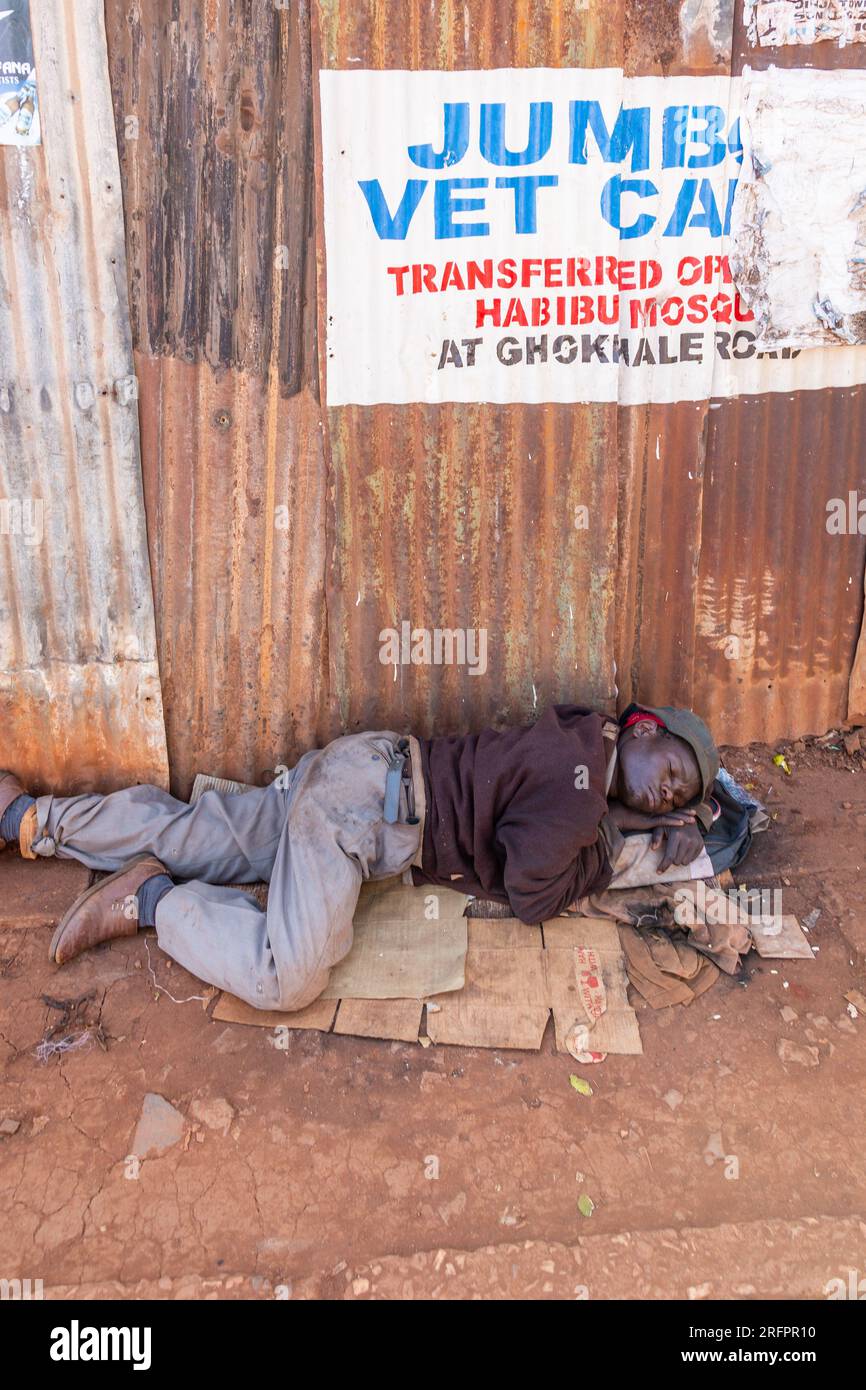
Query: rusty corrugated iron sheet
x=235, y=487
x=454, y=515
x=213, y=109
x=464, y=516
x=80, y=699
x=733, y=595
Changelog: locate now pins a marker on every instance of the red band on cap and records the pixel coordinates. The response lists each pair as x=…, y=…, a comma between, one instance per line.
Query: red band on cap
x=636, y=718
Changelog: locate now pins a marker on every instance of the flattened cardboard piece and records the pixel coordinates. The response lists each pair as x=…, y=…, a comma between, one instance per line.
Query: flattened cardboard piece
x=520, y=1026
x=390, y=900
x=204, y=782
x=397, y=1019
x=511, y=983
x=616, y=1029
x=788, y=944
x=319, y=1014
x=503, y=934
x=510, y=988
x=593, y=933
x=397, y=952
x=504, y=1000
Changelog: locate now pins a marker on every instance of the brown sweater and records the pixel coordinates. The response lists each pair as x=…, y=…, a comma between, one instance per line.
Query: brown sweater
x=504, y=819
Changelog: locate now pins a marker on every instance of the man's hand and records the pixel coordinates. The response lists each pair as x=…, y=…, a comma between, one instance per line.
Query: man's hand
x=678, y=829
x=682, y=844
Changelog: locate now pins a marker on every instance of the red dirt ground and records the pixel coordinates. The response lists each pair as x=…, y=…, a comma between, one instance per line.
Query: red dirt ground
x=323, y=1186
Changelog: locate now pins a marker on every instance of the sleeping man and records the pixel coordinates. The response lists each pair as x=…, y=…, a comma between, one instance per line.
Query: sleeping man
x=535, y=817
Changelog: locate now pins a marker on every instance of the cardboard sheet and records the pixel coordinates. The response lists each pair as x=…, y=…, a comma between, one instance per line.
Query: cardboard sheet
x=568, y=942
x=319, y=1014
x=204, y=782
x=504, y=1002
x=398, y=951
x=395, y=1019
x=514, y=976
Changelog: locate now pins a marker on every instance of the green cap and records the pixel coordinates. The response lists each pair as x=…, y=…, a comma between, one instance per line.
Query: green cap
x=695, y=733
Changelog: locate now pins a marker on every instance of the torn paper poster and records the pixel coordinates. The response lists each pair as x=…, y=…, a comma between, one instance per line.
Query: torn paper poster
x=798, y=226
x=19, y=99
x=773, y=23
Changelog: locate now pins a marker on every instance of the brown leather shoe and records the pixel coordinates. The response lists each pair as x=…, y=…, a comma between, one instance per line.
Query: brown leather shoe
x=27, y=833
x=103, y=911
x=10, y=790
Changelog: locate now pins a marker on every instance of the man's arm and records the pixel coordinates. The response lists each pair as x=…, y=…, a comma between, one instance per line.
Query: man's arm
x=679, y=829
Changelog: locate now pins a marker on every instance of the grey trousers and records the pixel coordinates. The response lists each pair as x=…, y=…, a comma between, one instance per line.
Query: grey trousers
x=314, y=839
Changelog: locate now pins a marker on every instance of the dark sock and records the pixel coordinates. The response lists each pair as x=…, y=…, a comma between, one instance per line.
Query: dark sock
x=10, y=821
x=149, y=895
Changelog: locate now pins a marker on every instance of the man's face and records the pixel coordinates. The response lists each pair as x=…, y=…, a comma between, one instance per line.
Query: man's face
x=656, y=771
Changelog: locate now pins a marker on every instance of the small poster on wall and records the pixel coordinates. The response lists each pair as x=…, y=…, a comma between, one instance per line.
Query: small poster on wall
x=19, y=102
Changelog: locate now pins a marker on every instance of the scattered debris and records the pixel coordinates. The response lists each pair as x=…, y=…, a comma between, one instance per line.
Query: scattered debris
x=73, y=1030
x=585, y=1204
x=779, y=761
x=793, y=1052
x=198, y=998
x=9, y=1126
x=580, y=1085
x=811, y=918
x=512, y=1217
x=159, y=1127
x=215, y=1114
x=789, y=1015
x=857, y=999
x=782, y=939
x=577, y=1044
x=50, y=1047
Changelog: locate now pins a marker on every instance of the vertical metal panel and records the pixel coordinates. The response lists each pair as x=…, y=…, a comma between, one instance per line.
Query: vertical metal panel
x=733, y=595
x=464, y=516
x=80, y=701
x=213, y=105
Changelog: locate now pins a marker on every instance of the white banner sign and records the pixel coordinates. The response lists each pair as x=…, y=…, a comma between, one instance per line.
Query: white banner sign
x=538, y=235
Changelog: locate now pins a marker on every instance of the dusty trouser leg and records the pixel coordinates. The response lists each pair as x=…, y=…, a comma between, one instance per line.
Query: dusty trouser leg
x=222, y=838
x=334, y=837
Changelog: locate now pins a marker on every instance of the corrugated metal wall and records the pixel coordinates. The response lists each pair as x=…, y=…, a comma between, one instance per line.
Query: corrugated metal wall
x=443, y=515
x=80, y=699
x=214, y=111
